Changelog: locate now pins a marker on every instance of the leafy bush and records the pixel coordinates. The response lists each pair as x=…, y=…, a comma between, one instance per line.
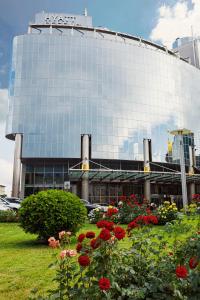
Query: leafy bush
x=95, y=215
x=196, y=199
x=130, y=208
x=99, y=213
x=8, y=216
x=49, y=212
x=150, y=269
x=167, y=212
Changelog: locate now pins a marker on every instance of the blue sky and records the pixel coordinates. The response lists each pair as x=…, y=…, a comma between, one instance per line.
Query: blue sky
x=136, y=17
x=146, y=18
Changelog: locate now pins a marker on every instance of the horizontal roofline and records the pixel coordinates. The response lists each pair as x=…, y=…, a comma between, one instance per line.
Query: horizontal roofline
x=103, y=30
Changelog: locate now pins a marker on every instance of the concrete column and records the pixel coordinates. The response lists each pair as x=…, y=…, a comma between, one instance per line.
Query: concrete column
x=191, y=190
x=147, y=183
x=191, y=172
x=85, y=167
x=17, y=166
x=22, y=181
x=147, y=190
x=74, y=188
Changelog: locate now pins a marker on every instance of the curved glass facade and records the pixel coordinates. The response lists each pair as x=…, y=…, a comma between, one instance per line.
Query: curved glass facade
x=64, y=84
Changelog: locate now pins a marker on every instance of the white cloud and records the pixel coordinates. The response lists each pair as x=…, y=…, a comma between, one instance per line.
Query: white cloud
x=6, y=146
x=6, y=168
x=176, y=21
x=3, y=104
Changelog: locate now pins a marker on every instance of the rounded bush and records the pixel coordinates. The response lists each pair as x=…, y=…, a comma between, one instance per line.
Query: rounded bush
x=49, y=212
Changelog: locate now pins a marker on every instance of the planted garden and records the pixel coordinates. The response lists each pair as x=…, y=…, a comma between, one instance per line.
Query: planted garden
x=155, y=254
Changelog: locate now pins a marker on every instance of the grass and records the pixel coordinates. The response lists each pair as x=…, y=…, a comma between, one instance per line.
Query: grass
x=24, y=263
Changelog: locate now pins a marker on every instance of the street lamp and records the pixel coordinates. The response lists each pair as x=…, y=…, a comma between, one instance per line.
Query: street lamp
x=180, y=133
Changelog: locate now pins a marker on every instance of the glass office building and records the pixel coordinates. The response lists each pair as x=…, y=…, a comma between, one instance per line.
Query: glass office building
x=69, y=78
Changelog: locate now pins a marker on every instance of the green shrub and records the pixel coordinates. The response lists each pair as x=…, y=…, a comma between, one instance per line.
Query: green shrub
x=130, y=207
x=8, y=216
x=50, y=212
x=167, y=212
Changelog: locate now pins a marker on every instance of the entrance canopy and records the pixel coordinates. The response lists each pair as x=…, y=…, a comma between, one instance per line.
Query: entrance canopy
x=108, y=175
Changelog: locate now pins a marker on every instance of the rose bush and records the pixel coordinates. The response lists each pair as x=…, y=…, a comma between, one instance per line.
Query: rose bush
x=132, y=207
x=149, y=269
x=167, y=212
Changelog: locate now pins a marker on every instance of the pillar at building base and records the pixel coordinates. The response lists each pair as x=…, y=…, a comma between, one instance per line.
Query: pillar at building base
x=85, y=166
x=17, y=166
x=85, y=187
x=74, y=189
x=147, y=190
x=22, y=188
x=191, y=190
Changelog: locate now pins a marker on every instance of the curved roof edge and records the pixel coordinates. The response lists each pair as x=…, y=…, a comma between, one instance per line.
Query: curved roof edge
x=107, y=31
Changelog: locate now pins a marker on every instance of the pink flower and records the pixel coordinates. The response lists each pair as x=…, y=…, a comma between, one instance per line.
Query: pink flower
x=62, y=254
x=54, y=243
x=69, y=253
x=61, y=234
x=51, y=239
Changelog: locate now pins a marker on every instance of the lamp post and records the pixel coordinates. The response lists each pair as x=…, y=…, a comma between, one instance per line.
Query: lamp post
x=180, y=133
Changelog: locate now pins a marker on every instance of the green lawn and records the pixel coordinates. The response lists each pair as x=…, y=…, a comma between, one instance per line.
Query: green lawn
x=24, y=263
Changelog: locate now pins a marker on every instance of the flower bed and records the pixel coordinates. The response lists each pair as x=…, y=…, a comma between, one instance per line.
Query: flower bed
x=150, y=269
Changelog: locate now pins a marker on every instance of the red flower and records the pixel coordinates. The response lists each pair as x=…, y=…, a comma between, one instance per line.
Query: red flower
x=78, y=247
x=94, y=243
x=122, y=198
x=193, y=262
x=101, y=224
x=109, y=225
x=104, y=284
x=81, y=237
x=153, y=219
x=84, y=260
x=181, y=272
x=105, y=234
x=111, y=211
x=90, y=234
x=105, y=224
x=146, y=219
x=148, y=211
x=132, y=196
x=132, y=225
x=119, y=232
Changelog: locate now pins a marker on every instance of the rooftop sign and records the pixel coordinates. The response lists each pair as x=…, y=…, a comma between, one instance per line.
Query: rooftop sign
x=60, y=19
x=44, y=18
